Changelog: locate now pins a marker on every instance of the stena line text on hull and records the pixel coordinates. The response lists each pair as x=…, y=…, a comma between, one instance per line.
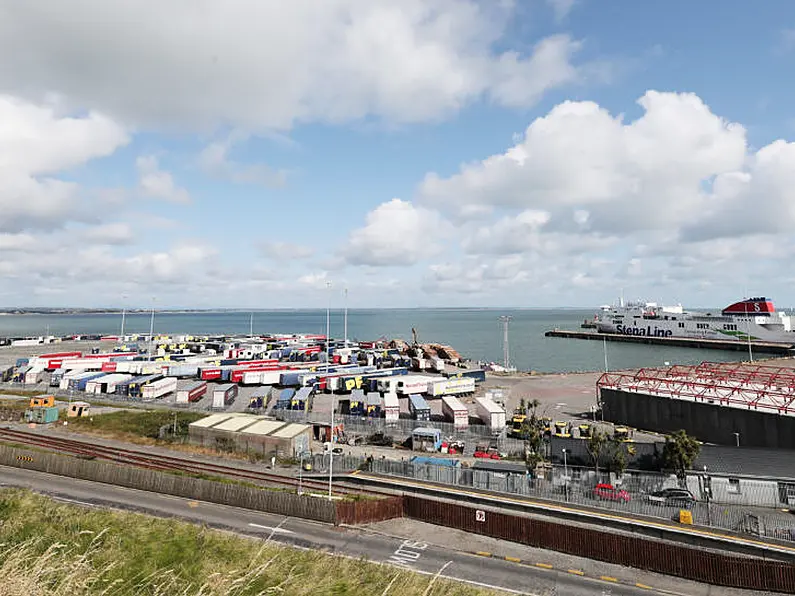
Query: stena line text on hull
x=647, y=331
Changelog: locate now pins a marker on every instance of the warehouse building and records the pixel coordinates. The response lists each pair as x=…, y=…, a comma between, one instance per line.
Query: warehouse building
x=251, y=434
x=727, y=403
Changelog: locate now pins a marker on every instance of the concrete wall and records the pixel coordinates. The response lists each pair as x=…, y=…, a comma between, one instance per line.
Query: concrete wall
x=739, y=491
x=708, y=423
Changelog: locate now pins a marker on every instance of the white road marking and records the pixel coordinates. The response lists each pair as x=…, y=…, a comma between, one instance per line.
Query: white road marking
x=74, y=501
x=407, y=553
x=273, y=529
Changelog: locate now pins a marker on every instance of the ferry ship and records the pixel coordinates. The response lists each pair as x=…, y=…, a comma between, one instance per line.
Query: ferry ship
x=752, y=319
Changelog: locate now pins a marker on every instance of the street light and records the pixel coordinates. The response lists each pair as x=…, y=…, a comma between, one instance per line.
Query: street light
x=565, y=474
x=123, y=312
x=737, y=437
x=328, y=345
x=151, y=330
x=345, y=324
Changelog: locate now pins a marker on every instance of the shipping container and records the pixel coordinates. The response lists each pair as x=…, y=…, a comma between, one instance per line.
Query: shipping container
x=191, y=393
x=490, y=413
x=42, y=415
x=300, y=401
x=289, y=379
x=412, y=384
x=209, y=374
x=224, y=395
x=107, y=384
x=284, y=399
x=374, y=405
x=259, y=398
x=356, y=405
x=183, y=371
x=136, y=385
x=419, y=408
x=159, y=388
x=455, y=411
x=391, y=407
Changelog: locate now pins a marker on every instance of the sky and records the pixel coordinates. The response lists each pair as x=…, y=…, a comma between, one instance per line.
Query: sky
x=506, y=153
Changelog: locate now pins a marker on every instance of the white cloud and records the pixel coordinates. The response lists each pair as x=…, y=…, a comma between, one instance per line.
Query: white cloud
x=113, y=233
x=214, y=160
x=36, y=143
x=157, y=183
x=396, y=233
x=286, y=250
x=271, y=64
x=646, y=174
x=561, y=8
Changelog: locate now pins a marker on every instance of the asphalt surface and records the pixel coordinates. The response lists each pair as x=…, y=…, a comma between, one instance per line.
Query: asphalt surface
x=490, y=572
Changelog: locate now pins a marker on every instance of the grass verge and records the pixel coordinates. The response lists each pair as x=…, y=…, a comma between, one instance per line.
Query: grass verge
x=52, y=549
x=129, y=425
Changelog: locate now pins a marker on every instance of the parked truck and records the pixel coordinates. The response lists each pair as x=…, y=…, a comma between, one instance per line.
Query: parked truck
x=419, y=408
x=463, y=386
x=391, y=407
x=413, y=384
x=223, y=395
x=191, y=393
x=159, y=388
x=490, y=413
x=455, y=411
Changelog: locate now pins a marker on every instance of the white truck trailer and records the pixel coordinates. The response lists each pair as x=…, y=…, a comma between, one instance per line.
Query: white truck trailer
x=391, y=407
x=455, y=411
x=490, y=413
x=462, y=386
x=159, y=388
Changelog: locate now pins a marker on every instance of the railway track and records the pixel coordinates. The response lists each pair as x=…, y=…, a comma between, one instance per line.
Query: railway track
x=165, y=463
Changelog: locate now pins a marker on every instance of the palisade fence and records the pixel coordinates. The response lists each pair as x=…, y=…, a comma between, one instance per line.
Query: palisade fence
x=632, y=551
x=574, y=485
x=401, y=429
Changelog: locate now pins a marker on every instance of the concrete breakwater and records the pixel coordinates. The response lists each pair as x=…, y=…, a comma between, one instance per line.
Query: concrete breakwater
x=685, y=342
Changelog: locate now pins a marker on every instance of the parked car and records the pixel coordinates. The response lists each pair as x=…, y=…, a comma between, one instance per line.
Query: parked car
x=608, y=492
x=672, y=497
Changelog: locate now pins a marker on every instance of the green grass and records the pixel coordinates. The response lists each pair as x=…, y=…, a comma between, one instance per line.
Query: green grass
x=129, y=423
x=53, y=549
x=21, y=392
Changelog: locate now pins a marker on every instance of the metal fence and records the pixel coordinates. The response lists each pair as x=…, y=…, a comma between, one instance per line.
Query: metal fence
x=576, y=486
x=401, y=429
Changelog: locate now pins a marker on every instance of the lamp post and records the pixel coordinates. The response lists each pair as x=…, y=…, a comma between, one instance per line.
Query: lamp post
x=123, y=312
x=328, y=345
x=565, y=474
x=345, y=324
x=151, y=330
x=737, y=438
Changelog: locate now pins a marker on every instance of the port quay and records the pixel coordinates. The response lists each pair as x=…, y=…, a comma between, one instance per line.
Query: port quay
x=419, y=419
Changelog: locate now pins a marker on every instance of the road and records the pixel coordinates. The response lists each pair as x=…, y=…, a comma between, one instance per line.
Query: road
x=426, y=558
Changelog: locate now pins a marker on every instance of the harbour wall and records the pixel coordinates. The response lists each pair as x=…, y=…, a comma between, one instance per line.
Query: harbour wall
x=707, y=422
x=684, y=342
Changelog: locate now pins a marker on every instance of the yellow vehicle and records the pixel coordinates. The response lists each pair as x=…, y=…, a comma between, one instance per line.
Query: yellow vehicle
x=561, y=429
x=621, y=433
x=516, y=424
x=585, y=431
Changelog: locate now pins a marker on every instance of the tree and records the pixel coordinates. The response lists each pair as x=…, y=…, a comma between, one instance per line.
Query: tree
x=595, y=445
x=532, y=407
x=618, y=451
x=679, y=454
x=522, y=409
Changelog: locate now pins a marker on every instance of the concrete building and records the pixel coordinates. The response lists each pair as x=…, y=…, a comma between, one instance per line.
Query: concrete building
x=251, y=434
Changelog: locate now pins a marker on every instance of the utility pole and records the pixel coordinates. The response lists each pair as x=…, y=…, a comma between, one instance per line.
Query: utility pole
x=506, y=350
x=604, y=348
x=750, y=354
x=251, y=326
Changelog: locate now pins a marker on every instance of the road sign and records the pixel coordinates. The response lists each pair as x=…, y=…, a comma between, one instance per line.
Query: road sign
x=480, y=515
